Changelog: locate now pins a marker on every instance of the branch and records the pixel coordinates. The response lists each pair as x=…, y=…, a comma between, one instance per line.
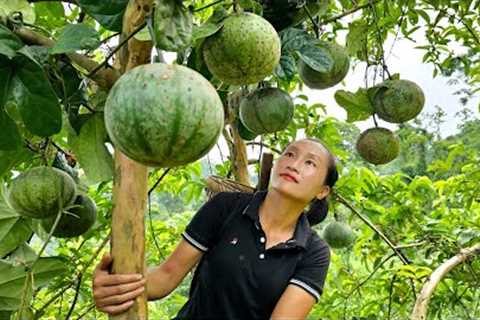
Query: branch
x=67, y=1
x=372, y=226
x=105, y=78
x=264, y=145
x=346, y=13
x=421, y=305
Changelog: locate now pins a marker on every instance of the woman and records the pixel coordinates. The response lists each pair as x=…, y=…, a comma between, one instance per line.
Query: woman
x=257, y=256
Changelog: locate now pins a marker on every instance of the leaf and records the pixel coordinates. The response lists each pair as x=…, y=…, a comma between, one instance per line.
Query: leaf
x=356, y=104
x=205, y=30
x=10, y=159
x=89, y=147
x=286, y=68
x=294, y=39
x=109, y=13
x=10, y=138
x=22, y=6
x=251, y=6
x=12, y=279
x=356, y=42
x=9, y=42
x=173, y=25
x=6, y=72
x=316, y=58
x=14, y=229
x=50, y=15
x=76, y=37
x=36, y=101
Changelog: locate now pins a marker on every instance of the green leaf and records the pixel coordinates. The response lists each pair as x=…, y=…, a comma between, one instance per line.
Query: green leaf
x=13, y=278
x=10, y=138
x=173, y=25
x=22, y=6
x=316, y=58
x=6, y=72
x=294, y=39
x=357, y=39
x=9, y=42
x=286, y=68
x=205, y=30
x=89, y=147
x=36, y=101
x=76, y=37
x=14, y=229
x=10, y=159
x=109, y=13
x=356, y=104
x=251, y=6
x=50, y=15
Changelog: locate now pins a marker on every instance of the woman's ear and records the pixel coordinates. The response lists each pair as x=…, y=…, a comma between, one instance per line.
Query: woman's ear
x=324, y=192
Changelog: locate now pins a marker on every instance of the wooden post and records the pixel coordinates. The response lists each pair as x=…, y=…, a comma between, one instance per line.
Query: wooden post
x=265, y=170
x=131, y=178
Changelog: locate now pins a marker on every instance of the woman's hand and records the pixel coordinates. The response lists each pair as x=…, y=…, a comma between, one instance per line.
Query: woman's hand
x=115, y=293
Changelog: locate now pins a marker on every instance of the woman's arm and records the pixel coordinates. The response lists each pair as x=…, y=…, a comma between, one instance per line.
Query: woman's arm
x=115, y=293
x=294, y=304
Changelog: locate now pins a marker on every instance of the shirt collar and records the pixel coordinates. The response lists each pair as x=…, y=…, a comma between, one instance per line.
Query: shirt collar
x=302, y=229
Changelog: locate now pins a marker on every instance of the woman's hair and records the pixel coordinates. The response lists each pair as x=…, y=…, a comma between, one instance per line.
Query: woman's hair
x=318, y=208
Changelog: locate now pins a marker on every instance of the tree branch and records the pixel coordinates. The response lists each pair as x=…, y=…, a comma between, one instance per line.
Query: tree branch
x=105, y=78
x=67, y=1
x=421, y=305
x=346, y=13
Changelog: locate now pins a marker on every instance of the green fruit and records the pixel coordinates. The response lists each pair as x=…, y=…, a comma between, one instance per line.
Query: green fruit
x=245, y=50
x=322, y=80
x=266, y=110
x=338, y=235
x=378, y=145
x=398, y=101
x=243, y=132
x=74, y=222
x=41, y=192
x=163, y=115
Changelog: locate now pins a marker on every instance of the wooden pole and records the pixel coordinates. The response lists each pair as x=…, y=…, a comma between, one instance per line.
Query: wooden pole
x=265, y=171
x=131, y=178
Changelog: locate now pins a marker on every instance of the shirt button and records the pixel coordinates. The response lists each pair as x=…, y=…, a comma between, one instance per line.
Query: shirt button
x=261, y=256
x=262, y=239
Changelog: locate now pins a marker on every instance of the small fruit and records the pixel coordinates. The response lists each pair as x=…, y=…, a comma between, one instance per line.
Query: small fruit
x=321, y=80
x=338, y=235
x=378, y=145
x=245, y=50
x=41, y=192
x=266, y=110
x=74, y=222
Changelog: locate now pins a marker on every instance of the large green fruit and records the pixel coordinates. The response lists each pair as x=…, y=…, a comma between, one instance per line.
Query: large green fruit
x=398, y=100
x=338, y=235
x=378, y=145
x=243, y=132
x=41, y=192
x=245, y=50
x=75, y=221
x=266, y=110
x=163, y=115
x=322, y=80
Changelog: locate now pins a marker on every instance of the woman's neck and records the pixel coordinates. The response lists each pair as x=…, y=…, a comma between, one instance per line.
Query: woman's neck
x=279, y=214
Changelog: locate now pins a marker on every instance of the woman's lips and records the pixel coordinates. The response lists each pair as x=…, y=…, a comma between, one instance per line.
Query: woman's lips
x=288, y=177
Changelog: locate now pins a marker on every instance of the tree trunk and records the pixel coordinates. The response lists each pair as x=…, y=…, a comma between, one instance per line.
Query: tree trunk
x=131, y=178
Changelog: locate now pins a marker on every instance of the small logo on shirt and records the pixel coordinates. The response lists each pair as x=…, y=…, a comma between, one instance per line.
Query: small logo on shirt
x=234, y=241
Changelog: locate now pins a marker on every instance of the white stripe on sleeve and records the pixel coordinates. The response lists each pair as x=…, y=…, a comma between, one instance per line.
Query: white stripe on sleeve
x=305, y=286
x=194, y=242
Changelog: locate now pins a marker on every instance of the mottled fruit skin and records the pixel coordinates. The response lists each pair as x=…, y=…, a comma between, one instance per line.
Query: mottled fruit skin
x=398, y=101
x=243, y=132
x=41, y=192
x=322, y=80
x=338, y=235
x=266, y=110
x=74, y=221
x=163, y=115
x=378, y=145
x=245, y=50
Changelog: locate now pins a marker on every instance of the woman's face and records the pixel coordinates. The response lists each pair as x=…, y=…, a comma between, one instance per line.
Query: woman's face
x=300, y=171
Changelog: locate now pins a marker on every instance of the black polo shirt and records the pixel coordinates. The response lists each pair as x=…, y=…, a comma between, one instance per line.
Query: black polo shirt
x=236, y=277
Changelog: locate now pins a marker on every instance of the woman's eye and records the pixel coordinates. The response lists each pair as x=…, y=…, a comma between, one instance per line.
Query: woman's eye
x=289, y=154
x=310, y=162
